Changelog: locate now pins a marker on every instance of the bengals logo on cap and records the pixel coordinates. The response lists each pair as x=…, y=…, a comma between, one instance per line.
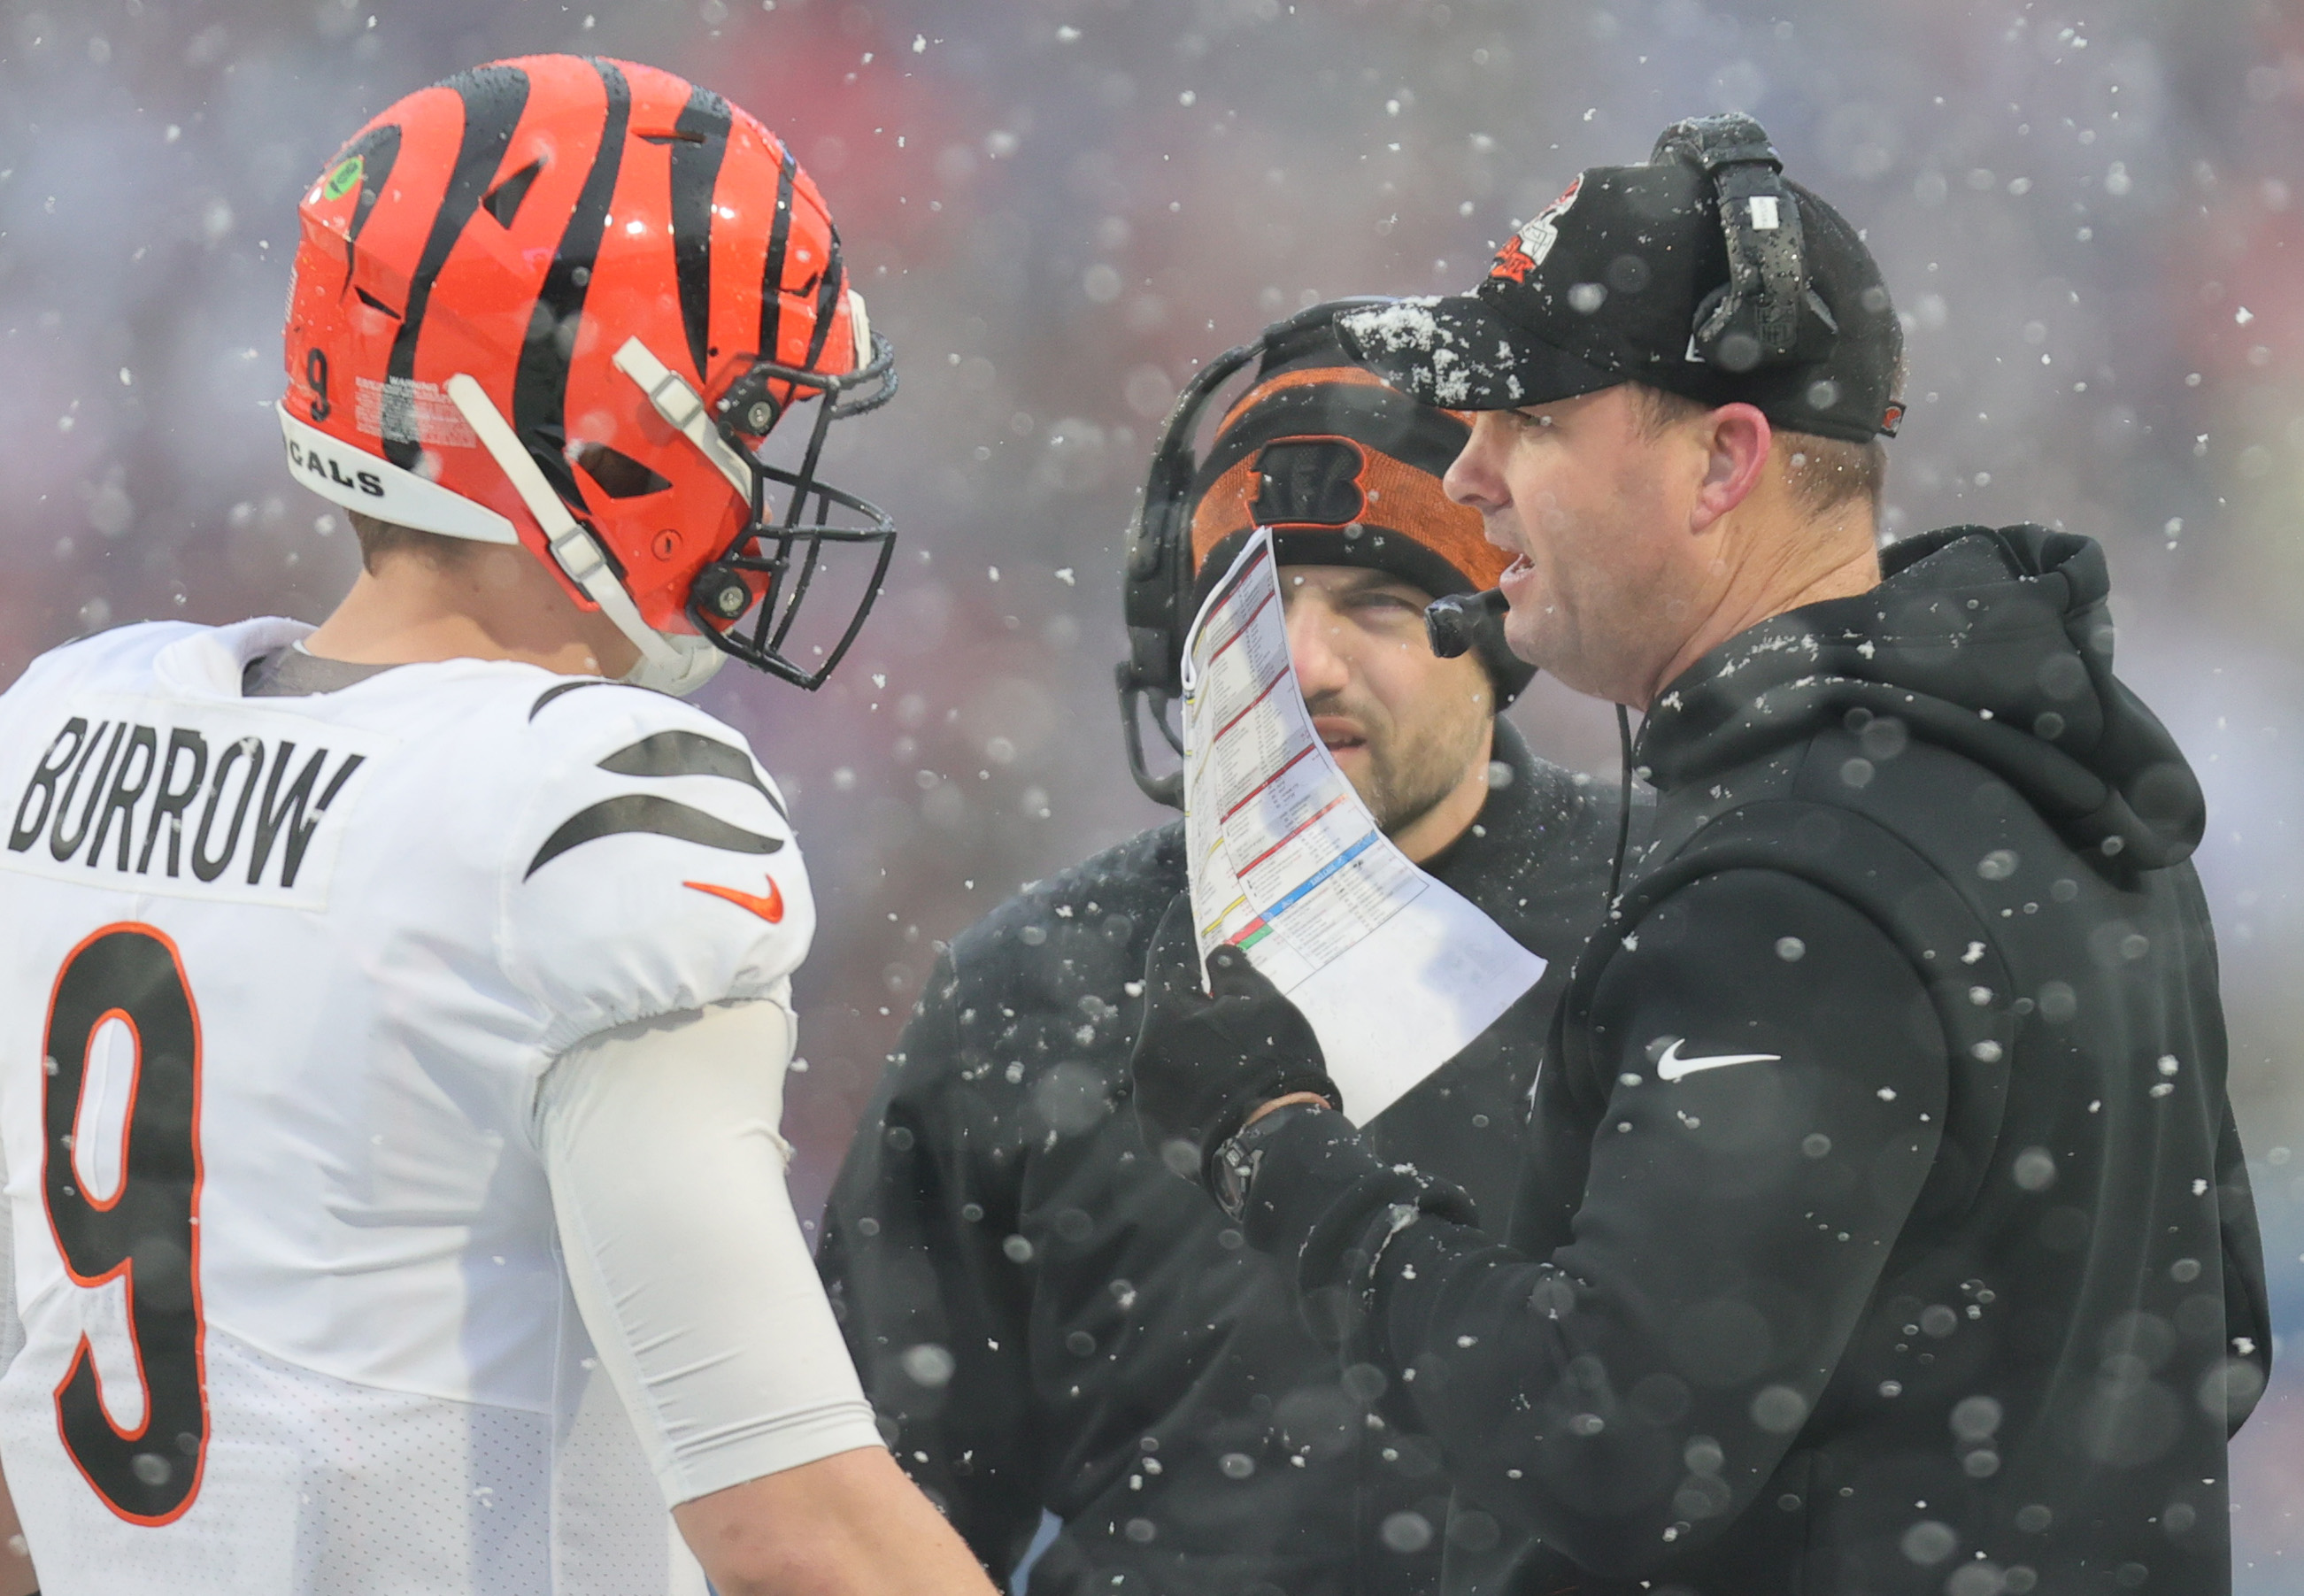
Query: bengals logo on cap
x=1525, y=250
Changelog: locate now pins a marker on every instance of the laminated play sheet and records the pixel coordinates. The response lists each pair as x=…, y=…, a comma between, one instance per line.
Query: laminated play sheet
x=1395, y=972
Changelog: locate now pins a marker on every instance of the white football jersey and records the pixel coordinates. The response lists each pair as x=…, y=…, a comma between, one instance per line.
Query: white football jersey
x=279, y=978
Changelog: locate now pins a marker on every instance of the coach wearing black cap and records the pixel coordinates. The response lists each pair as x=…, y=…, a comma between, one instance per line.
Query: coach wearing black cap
x=1883, y=1226
x=1046, y=1316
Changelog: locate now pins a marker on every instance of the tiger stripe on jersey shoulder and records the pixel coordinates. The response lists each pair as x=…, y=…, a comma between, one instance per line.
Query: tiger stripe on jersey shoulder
x=662, y=754
x=681, y=752
x=645, y=814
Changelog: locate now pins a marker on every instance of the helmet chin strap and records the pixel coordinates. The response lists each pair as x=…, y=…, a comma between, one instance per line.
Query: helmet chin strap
x=675, y=399
x=683, y=409
x=677, y=664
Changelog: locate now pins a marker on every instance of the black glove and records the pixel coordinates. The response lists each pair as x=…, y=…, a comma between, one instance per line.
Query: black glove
x=1203, y=1063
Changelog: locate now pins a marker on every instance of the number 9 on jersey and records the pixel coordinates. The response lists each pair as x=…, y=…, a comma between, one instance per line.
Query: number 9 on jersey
x=131, y=1217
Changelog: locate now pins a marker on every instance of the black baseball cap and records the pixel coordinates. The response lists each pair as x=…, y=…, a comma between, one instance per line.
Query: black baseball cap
x=1705, y=273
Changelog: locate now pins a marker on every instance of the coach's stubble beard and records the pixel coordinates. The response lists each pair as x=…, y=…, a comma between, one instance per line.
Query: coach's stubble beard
x=1409, y=769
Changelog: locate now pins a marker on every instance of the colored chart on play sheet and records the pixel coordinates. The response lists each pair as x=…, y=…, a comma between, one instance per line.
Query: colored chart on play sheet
x=1395, y=972
x=1294, y=835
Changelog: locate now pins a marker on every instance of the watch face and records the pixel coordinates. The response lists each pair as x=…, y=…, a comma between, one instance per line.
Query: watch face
x=1236, y=1170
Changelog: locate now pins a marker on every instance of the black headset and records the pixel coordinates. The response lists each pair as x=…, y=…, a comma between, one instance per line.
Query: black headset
x=1156, y=583
x=1765, y=314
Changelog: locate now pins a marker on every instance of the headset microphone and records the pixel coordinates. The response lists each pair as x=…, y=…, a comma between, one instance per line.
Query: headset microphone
x=1454, y=625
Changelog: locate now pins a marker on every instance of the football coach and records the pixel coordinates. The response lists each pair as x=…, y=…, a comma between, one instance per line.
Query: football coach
x=1043, y=1313
x=1882, y=1227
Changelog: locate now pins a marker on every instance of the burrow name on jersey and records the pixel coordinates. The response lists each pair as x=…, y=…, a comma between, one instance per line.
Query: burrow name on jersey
x=161, y=797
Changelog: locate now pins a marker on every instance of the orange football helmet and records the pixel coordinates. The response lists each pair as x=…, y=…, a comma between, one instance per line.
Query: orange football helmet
x=561, y=301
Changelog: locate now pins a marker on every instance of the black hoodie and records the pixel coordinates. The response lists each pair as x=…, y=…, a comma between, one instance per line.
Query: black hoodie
x=1883, y=1226
x=1045, y=1315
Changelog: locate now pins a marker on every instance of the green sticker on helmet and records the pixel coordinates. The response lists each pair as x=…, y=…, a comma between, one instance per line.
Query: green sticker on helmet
x=344, y=179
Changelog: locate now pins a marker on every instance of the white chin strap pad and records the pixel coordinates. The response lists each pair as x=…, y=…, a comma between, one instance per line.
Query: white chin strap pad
x=695, y=661
x=676, y=665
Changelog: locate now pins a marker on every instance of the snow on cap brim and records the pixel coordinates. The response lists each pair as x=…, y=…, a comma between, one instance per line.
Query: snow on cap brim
x=1454, y=351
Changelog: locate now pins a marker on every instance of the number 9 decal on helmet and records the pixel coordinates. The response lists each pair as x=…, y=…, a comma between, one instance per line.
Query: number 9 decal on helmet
x=560, y=301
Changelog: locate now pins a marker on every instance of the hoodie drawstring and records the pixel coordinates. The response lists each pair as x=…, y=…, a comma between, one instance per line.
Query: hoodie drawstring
x=1624, y=806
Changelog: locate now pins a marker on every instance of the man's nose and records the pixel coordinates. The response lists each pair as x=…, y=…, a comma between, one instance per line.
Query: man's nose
x=1313, y=648
x=1472, y=477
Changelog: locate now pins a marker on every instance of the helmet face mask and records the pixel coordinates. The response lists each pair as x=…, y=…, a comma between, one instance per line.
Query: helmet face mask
x=747, y=601
x=560, y=301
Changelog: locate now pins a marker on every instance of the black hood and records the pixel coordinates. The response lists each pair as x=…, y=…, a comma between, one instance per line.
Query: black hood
x=1995, y=643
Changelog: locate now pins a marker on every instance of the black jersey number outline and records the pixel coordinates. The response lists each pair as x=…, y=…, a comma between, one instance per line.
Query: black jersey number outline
x=146, y=1231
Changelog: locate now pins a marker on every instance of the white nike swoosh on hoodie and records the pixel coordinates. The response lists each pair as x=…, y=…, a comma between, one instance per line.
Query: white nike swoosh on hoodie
x=1672, y=1067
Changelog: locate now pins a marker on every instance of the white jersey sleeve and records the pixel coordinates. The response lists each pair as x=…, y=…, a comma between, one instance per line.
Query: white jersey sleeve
x=684, y=1254
x=652, y=869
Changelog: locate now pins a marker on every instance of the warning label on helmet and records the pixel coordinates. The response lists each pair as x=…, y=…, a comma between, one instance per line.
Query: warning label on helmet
x=402, y=410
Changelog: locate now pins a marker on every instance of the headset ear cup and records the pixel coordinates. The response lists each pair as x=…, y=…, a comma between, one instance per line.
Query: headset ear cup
x=1727, y=331
x=1711, y=320
x=1183, y=585
x=1765, y=314
x=1175, y=579
x=1819, y=328
x=1150, y=604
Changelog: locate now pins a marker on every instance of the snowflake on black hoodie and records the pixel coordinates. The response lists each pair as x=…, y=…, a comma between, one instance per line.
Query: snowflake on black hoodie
x=1883, y=1226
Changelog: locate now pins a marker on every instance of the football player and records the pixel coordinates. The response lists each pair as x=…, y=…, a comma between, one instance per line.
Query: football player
x=396, y=1012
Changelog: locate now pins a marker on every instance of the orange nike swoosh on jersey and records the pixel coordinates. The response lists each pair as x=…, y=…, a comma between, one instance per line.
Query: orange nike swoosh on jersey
x=769, y=905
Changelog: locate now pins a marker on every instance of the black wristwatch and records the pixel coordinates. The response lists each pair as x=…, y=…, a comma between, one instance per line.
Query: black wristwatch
x=1232, y=1171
